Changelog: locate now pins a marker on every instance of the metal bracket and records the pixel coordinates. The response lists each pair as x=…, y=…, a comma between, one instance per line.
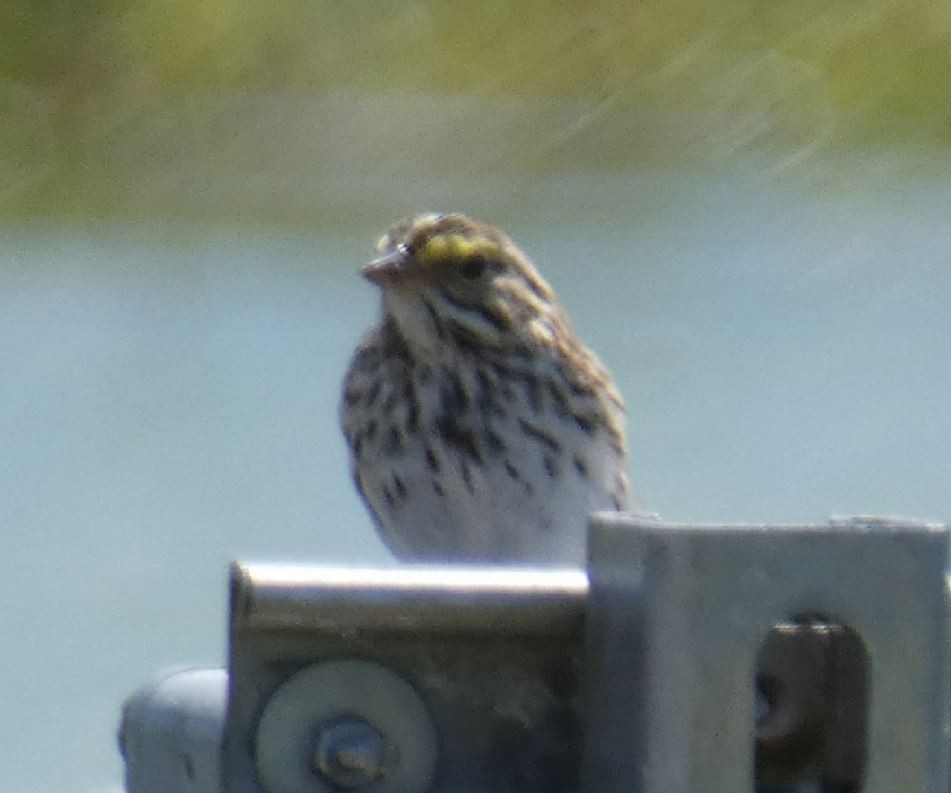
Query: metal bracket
x=677, y=620
x=479, y=667
x=686, y=659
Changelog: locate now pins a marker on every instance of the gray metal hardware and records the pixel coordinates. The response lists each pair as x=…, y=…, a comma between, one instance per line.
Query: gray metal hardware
x=170, y=732
x=342, y=725
x=686, y=659
x=351, y=753
x=489, y=657
x=679, y=615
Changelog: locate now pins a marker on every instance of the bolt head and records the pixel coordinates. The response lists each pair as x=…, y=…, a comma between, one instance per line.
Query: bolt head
x=350, y=752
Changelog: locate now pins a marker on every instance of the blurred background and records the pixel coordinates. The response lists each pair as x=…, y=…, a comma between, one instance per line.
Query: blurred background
x=743, y=204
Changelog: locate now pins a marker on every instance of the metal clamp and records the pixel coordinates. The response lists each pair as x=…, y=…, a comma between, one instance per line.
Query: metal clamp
x=686, y=658
x=679, y=616
x=404, y=680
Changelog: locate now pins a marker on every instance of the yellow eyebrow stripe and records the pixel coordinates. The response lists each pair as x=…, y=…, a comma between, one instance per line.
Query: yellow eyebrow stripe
x=457, y=247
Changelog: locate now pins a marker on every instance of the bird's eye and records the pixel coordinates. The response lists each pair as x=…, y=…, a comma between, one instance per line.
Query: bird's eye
x=473, y=267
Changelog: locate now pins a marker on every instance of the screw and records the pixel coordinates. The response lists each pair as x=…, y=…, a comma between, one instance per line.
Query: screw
x=350, y=752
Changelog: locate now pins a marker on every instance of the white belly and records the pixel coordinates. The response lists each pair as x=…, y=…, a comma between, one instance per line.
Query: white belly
x=526, y=500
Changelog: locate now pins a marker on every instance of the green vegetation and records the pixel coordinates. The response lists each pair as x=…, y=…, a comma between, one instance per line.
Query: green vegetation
x=103, y=103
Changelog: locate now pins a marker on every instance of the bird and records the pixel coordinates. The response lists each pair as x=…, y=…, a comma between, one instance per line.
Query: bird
x=480, y=428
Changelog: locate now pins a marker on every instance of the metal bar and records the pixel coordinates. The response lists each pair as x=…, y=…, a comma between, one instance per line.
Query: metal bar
x=408, y=599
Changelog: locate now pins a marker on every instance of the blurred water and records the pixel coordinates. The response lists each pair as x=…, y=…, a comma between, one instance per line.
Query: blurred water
x=168, y=403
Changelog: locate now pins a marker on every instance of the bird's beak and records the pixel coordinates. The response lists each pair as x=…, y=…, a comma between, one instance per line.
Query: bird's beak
x=389, y=267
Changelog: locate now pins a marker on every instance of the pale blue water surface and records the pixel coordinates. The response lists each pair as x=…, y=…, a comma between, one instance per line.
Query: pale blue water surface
x=168, y=400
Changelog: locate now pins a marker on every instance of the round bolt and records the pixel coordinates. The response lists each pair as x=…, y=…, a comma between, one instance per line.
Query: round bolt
x=350, y=752
x=357, y=727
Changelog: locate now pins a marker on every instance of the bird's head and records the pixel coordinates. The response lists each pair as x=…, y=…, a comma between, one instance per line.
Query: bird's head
x=448, y=279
